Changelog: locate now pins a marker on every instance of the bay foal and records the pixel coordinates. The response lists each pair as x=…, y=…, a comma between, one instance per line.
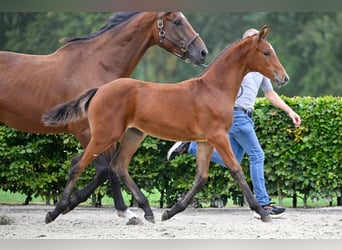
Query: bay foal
x=198, y=109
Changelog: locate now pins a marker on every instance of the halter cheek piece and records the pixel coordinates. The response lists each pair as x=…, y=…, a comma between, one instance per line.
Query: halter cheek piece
x=182, y=46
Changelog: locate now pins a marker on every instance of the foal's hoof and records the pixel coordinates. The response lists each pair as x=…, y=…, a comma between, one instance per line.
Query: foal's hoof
x=266, y=218
x=165, y=216
x=150, y=218
x=134, y=221
x=48, y=218
x=67, y=210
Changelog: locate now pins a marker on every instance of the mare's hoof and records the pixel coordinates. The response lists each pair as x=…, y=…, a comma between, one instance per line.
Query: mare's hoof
x=48, y=218
x=150, y=218
x=165, y=216
x=266, y=218
x=134, y=221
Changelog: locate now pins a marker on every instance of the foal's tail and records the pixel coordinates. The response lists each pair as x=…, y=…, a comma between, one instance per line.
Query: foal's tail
x=71, y=111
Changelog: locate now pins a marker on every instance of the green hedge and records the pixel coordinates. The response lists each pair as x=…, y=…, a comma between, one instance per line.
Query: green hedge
x=307, y=159
x=304, y=161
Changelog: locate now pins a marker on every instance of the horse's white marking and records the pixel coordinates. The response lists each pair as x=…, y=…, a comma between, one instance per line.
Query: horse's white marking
x=127, y=214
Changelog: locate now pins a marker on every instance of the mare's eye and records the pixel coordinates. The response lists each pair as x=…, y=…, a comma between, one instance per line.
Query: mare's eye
x=266, y=53
x=178, y=22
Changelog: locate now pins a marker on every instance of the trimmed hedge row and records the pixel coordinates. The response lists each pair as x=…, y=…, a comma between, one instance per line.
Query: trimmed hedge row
x=304, y=161
x=307, y=159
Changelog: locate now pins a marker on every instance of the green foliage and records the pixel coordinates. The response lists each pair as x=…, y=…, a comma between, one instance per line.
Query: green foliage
x=305, y=160
x=32, y=164
x=31, y=32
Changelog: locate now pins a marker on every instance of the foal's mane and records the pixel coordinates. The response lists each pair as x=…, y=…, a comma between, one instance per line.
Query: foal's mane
x=223, y=52
x=113, y=21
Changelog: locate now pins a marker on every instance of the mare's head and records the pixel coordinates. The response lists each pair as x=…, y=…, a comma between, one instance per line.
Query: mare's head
x=175, y=34
x=263, y=58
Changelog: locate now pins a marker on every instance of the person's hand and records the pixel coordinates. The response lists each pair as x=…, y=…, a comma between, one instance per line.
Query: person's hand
x=295, y=118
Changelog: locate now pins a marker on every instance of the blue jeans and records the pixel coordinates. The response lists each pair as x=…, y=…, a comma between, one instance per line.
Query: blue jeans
x=243, y=139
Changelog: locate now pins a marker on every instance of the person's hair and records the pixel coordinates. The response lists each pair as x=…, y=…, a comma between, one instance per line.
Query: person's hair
x=250, y=32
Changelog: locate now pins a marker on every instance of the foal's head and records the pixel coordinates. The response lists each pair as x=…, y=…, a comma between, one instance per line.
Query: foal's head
x=176, y=35
x=263, y=58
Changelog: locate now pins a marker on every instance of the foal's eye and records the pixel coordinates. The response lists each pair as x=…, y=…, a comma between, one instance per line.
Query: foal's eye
x=178, y=22
x=266, y=53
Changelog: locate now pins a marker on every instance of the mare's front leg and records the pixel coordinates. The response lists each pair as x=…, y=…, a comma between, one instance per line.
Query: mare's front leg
x=204, y=152
x=223, y=147
x=128, y=146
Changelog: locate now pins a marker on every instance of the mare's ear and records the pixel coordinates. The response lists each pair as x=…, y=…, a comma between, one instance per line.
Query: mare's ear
x=263, y=32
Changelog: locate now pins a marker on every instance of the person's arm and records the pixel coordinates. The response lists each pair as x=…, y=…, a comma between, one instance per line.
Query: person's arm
x=276, y=101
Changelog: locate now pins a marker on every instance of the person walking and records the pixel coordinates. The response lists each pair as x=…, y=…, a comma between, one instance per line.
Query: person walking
x=242, y=136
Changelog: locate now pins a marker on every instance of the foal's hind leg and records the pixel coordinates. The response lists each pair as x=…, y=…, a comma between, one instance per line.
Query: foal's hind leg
x=62, y=206
x=223, y=147
x=94, y=147
x=104, y=172
x=204, y=151
x=128, y=146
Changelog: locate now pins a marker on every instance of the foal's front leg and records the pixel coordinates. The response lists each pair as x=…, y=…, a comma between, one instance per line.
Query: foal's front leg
x=128, y=146
x=204, y=151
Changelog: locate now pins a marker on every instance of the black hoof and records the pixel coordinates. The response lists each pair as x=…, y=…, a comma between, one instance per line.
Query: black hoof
x=48, y=218
x=67, y=210
x=165, y=216
x=150, y=218
x=266, y=218
x=134, y=221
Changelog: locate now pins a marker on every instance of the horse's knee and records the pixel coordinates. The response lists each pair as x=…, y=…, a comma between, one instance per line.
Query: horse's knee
x=120, y=172
x=103, y=173
x=237, y=173
x=201, y=181
x=73, y=170
x=75, y=159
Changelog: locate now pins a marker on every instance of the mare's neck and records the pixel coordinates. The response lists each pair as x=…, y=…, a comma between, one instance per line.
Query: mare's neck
x=226, y=72
x=117, y=51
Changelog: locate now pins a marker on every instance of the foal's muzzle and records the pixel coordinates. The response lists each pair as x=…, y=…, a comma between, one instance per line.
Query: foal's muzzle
x=282, y=80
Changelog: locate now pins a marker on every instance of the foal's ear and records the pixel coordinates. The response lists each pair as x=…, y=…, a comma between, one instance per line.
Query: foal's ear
x=263, y=32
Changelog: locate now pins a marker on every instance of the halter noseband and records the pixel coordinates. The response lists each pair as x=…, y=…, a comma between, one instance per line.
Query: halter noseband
x=182, y=46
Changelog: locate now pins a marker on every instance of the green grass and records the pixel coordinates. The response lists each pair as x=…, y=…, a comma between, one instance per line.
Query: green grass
x=16, y=199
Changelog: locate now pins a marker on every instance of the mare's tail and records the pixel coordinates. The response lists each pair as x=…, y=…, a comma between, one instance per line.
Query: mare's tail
x=70, y=111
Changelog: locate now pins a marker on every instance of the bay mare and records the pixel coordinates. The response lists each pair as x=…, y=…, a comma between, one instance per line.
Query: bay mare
x=32, y=84
x=198, y=109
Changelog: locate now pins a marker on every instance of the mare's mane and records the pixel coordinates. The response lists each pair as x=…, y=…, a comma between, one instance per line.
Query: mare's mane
x=113, y=21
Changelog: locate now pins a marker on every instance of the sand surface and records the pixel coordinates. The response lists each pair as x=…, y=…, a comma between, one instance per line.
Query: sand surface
x=205, y=223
